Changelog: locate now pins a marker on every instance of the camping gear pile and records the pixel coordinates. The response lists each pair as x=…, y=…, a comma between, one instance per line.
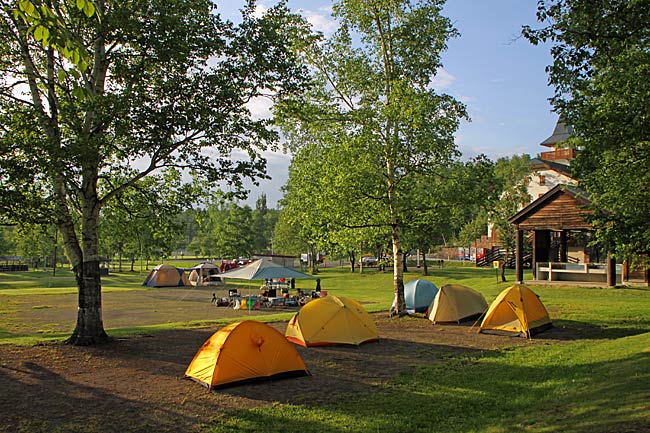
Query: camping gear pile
x=267, y=271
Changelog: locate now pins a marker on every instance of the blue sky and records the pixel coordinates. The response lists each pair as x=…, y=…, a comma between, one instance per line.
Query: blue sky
x=490, y=67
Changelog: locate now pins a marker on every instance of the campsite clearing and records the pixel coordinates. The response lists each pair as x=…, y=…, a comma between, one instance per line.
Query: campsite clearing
x=587, y=374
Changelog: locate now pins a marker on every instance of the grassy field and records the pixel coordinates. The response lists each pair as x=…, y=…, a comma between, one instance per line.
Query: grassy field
x=596, y=381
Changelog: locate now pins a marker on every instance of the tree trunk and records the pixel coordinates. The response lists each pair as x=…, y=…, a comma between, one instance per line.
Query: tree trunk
x=404, y=256
x=424, y=262
x=503, y=267
x=398, y=271
x=119, y=257
x=352, y=258
x=90, y=326
x=314, y=261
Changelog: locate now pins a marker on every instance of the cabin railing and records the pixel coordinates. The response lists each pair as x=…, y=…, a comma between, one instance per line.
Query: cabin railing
x=556, y=154
x=582, y=272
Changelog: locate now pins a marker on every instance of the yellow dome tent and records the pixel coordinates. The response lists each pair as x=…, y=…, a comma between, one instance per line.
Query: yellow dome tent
x=244, y=352
x=517, y=310
x=454, y=303
x=331, y=320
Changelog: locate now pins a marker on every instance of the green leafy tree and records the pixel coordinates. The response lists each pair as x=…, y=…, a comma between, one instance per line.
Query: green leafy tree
x=601, y=53
x=233, y=233
x=264, y=220
x=143, y=218
x=286, y=238
x=7, y=241
x=38, y=244
x=374, y=111
x=511, y=176
x=163, y=82
x=452, y=200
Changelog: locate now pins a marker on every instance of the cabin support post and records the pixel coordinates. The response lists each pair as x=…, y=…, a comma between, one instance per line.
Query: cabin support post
x=563, y=247
x=519, y=256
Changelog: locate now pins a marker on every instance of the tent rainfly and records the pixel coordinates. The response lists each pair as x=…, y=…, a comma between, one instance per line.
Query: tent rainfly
x=245, y=352
x=166, y=276
x=455, y=303
x=418, y=296
x=516, y=311
x=331, y=320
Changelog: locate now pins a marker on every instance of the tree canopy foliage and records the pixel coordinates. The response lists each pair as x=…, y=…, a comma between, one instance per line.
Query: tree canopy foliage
x=601, y=52
x=165, y=86
x=373, y=122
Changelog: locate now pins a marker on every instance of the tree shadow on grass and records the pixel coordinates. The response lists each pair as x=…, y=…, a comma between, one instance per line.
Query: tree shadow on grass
x=571, y=330
x=349, y=372
x=505, y=392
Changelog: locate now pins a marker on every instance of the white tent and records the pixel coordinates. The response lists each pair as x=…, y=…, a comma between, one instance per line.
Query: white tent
x=205, y=274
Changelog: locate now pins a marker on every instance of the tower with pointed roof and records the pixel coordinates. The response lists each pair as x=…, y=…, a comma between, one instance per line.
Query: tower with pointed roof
x=552, y=168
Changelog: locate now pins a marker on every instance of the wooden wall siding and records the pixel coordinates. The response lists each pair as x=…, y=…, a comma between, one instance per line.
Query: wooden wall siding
x=560, y=213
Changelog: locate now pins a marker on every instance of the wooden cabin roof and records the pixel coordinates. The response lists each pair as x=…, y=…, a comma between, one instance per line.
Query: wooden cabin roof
x=561, y=208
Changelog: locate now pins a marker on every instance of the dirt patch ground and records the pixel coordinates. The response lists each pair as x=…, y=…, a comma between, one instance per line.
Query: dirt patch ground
x=58, y=313
x=137, y=385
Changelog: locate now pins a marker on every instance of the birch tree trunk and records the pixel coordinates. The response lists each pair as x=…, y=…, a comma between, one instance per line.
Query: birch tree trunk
x=90, y=325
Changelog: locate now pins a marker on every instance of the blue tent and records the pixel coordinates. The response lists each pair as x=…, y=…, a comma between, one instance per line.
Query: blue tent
x=419, y=294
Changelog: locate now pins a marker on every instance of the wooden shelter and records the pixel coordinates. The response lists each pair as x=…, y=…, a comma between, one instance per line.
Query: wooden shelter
x=561, y=210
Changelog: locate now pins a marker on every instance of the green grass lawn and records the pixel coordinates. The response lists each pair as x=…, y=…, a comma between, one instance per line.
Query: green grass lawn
x=587, y=386
x=598, y=381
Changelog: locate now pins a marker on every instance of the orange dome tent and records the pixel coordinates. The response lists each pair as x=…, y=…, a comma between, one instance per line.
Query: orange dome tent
x=331, y=320
x=244, y=352
x=516, y=311
x=166, y=276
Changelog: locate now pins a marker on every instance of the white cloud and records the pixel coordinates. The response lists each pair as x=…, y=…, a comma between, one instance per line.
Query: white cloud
x=260, y=107
x=442, y=80
x=260, y=10
x=319, y=21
